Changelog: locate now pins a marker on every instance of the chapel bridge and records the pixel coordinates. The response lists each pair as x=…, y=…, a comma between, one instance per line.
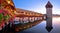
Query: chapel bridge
x=23, y=18
x=27, y=21
x=24, y=21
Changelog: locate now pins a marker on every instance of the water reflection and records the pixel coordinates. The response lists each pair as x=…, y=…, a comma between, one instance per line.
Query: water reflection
x=40, y=28
x=49, y=26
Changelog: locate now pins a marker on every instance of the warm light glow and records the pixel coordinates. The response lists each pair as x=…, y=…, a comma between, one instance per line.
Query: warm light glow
x=8, y=1
x=15, y=12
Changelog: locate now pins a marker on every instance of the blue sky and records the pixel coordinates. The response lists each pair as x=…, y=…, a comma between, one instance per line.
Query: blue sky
x=37, y=5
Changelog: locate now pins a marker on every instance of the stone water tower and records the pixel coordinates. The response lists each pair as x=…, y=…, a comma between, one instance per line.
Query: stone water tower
x=49, y=16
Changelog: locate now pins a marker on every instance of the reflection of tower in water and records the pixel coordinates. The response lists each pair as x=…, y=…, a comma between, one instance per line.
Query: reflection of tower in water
x=49, y=16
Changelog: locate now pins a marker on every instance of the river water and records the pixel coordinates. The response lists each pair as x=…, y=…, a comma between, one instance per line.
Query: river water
x=40, y=28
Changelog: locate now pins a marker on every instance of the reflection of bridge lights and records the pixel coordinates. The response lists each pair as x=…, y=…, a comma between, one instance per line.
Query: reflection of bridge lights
x=24, y=27
x=28, y=26
x=17, y=29
x=20, y=28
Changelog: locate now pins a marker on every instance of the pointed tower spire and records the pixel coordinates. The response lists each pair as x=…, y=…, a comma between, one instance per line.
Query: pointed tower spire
x=48, y=5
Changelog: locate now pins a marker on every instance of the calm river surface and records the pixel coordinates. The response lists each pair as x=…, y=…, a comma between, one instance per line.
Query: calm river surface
x=40, y=28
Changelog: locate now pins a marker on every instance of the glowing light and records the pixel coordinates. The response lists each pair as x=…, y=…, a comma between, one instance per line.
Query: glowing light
x=8, y=1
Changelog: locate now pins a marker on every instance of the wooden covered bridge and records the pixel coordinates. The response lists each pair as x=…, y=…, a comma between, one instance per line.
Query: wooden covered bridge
x=19, y=19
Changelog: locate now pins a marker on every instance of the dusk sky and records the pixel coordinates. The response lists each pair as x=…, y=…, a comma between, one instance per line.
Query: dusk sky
x=37, y=5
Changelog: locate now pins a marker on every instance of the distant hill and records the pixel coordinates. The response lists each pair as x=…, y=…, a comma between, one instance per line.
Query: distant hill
x=56, y=15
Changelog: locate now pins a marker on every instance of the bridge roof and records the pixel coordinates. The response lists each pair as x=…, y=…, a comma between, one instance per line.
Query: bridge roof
x=21, y=13
x=23, y=10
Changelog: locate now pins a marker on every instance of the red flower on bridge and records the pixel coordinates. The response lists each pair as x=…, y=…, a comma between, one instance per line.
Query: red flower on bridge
x=5, y=17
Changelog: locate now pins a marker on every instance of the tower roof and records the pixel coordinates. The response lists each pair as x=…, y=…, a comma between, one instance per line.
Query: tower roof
x=49, y=5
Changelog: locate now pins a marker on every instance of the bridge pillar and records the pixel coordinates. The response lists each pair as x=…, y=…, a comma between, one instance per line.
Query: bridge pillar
x=24, y=19
x=21, y=20
x=37, y=18
x=29, y=19
x=42, y=17
x=34, y=18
